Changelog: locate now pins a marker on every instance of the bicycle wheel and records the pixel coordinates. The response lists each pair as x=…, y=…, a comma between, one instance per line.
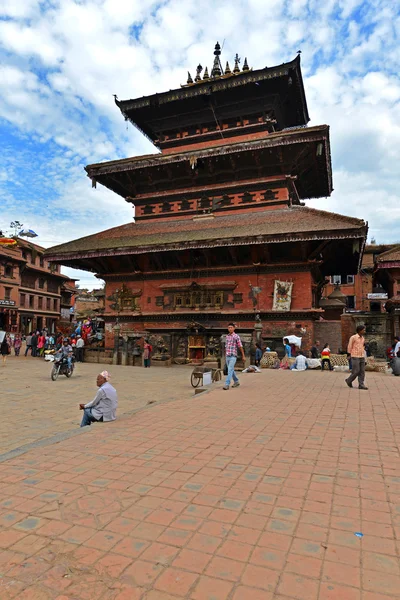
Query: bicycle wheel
x=195, y=380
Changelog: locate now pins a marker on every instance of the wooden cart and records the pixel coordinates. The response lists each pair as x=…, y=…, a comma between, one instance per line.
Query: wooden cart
x=196, y=378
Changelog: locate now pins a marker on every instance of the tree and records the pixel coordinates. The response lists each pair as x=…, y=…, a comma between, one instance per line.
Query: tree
x=16, y=226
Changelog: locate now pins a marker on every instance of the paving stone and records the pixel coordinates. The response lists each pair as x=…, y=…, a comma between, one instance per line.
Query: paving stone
x=206, y=498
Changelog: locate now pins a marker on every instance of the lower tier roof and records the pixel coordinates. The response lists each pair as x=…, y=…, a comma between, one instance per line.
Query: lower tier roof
x=287, y=224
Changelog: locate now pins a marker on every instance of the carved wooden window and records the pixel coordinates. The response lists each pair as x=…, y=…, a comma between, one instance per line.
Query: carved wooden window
x=219, y=298
x=247, y=197
x=186, y=205
x=204, y=202
x=9, y=271
x=270, y=195
x=199, y=299
x=128, y=304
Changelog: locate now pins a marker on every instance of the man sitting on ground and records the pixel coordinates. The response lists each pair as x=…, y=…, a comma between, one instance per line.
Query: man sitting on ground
x=104, y=405
x=300, y=364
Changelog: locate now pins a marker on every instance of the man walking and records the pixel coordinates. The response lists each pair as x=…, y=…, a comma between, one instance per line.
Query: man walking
x=356, y=349
x=34, y=344
x=28, y=341
x=233, y=342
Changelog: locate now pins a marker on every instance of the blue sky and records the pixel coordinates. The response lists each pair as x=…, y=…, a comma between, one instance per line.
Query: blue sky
x=61, y=61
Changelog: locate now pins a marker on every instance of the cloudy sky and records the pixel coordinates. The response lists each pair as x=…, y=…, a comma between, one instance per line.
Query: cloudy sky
x=62, y=60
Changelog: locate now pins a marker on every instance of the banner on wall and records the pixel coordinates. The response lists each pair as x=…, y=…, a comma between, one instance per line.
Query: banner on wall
x=282, y=295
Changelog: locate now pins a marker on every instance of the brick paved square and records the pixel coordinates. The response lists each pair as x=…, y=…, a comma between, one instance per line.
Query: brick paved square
x=210, y=497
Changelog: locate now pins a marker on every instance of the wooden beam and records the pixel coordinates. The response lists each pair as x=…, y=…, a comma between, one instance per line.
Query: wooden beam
x=318, y=250
x=233, y=254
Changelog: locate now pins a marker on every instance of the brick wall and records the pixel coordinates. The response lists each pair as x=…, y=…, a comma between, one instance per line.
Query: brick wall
x=329, y=332
x=378, y=330
x=151, y=290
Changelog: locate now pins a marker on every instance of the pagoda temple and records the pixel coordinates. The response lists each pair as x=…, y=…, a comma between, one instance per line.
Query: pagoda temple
x=221, y=232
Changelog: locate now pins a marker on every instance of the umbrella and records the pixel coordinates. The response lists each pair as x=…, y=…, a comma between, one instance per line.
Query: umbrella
x=29, y=233
x=7, y=241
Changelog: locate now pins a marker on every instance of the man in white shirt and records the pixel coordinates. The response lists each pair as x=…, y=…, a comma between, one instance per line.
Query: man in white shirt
x=103, y=407
x=397, y=347
x=300, y=364
x=80, y=343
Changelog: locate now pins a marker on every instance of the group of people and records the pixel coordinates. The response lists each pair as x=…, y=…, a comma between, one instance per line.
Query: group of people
x=356, y=351
x=38, y=342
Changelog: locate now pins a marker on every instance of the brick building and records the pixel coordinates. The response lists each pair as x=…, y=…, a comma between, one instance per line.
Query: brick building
x=370, y=298
x=29, y=288
x=221, y=231
x=363, y=290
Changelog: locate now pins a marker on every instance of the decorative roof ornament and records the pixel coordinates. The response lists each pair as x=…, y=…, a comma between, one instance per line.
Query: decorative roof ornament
x=236, y=68
x=217, y=71
x=198, y=73
x=217, y=67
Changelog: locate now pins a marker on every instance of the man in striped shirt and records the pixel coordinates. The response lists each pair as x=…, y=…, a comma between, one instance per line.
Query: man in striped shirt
x=233, y=342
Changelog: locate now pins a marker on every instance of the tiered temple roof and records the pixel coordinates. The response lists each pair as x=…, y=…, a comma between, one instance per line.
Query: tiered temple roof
x=221, y=104
x=272, y=226
x=237, y=159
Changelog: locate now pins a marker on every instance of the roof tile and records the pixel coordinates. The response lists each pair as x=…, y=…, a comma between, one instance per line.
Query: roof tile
x=283, y=222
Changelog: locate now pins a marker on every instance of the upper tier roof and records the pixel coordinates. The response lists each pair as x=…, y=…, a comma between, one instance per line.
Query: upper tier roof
x=303, y=153
x=277, y=93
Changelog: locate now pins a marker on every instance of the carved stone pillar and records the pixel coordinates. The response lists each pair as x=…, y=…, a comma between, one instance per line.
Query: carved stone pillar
x=124, y=358
x=117, y=329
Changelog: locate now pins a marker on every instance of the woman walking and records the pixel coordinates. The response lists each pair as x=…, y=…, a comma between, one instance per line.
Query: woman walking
x=147, y=349
x=41, y=343
x=258, y=355
x=17, y=344
x=5, y=348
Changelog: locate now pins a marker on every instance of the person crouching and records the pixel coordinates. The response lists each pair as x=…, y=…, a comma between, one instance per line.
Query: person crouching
x=104, y=405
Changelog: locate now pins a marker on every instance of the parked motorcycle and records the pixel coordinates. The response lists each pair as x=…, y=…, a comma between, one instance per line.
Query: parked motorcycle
x=60, y=367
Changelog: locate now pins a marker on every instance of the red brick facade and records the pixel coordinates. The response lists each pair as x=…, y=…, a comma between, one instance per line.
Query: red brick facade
x=30, y=289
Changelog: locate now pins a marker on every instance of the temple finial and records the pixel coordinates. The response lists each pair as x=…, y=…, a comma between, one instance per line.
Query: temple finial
x=227, y=69
x=206, y=75
x=198, y=71
x=236, y=68
x=217, y=67
x=189, y=79
x=245, y=65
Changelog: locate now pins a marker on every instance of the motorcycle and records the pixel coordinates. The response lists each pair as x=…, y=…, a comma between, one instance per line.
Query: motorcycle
x=60, y=367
